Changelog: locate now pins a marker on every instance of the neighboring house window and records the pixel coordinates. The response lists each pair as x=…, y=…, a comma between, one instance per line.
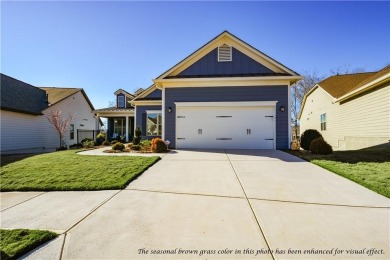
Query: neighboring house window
x=71, y=132
x=224, y=53
x=323, y=122
x=121, y=101
x=153, y=123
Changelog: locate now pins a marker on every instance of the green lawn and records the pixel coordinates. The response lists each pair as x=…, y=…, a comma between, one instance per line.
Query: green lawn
x=369, y=167
x=17, y=242
x=66, y=170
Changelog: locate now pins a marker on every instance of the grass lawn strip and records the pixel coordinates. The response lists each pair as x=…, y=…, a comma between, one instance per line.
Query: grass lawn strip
x=368, y=167
x=68, y=171
x=17, y=242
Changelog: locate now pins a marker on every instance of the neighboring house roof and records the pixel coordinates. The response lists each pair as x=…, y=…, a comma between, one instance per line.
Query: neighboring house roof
x=21, y=97
x=240, y=44
x=339, y=85
x=56, y=95
x=342, y=87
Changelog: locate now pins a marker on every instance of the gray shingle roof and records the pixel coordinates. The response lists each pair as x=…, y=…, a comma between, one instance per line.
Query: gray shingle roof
x=21, y=97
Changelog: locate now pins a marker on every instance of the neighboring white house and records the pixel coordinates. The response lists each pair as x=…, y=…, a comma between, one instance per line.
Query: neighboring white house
x=24, y=110
x=351, y=111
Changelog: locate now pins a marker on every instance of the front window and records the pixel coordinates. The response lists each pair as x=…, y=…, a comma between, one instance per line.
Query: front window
x=121, y=101
x=153, y=123
x=71, y=131
x=323, y=122
x=119, y=127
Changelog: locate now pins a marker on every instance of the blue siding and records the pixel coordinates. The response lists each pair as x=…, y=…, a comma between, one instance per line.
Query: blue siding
x=225, y=94
x=141, y=119
x=240, y=64
x=154, y=94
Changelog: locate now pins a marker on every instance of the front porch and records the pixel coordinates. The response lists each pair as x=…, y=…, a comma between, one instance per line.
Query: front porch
x=120, y=123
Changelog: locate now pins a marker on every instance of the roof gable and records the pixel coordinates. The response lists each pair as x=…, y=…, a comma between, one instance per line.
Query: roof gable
x=56, y=95
x=231, y=40
x=240, y=65
x=21, y=97
x=121, y=91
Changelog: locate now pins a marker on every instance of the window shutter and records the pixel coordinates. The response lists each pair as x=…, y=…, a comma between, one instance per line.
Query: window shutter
x=224, y=53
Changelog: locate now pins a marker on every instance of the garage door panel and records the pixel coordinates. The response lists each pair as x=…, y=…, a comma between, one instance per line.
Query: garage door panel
x=225, y=127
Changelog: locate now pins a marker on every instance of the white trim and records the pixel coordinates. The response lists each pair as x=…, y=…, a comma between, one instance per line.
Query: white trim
x=227, y=81
x=227, y=104
x=153, y=111
x=127, y=129
x=115, y=113
x=135, y=119
x=146, y=103
x=163, y=114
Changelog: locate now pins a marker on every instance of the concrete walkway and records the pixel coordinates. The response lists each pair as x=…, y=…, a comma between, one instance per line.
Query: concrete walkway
x=230, y=204
x=100, y=151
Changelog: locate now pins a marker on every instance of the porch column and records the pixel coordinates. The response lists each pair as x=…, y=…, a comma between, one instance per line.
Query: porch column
x=127, y=129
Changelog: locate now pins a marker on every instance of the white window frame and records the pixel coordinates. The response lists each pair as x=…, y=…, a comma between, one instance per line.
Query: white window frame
x=119, y=101
x=158, y=123
x=231, y=54
x=323, y=120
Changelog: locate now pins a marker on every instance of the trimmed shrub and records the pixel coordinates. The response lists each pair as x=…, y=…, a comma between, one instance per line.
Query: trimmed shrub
x=146, y=143
x=137, y=137
x=320, y=146
x=118, y=146
x=75, y=146
x=88, y=144
x=308, y=136
x=114, y=141
x=86, y=140
x=136, y=147
x=106, y=143
x=101, y=136
x=158, y=146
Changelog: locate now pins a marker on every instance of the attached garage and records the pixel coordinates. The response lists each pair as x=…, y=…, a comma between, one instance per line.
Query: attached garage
x=225, y=125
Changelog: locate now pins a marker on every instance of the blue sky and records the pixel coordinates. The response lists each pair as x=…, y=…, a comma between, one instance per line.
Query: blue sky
x=104, y=46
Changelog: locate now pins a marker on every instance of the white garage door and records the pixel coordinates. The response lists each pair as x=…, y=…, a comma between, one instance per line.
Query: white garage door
x=225, y=125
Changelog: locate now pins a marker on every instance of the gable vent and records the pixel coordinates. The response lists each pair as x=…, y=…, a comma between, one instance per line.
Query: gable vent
x=225, y=53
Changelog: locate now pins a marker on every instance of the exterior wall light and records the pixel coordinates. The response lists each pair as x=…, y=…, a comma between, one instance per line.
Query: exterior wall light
x=169, y=110
x=281, y=108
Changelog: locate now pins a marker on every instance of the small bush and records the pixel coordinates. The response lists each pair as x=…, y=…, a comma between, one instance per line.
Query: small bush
x=146, y=143
x=86, y=140
x=114, y=141
x=308, y=136
x=101, y=136
x=118, y=146
x=136, y=147
x=158, y=146
x=88, y=144
x=320, y=146
x=137, y=137
x=75, y=146
x=106, y=143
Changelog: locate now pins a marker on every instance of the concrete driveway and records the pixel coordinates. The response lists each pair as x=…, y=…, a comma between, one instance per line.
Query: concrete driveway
x=212, y=204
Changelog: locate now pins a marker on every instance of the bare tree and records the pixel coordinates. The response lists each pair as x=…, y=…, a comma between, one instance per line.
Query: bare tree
x=111, y=103
x=346, y=69
x=299, y=90
x=59, y=122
